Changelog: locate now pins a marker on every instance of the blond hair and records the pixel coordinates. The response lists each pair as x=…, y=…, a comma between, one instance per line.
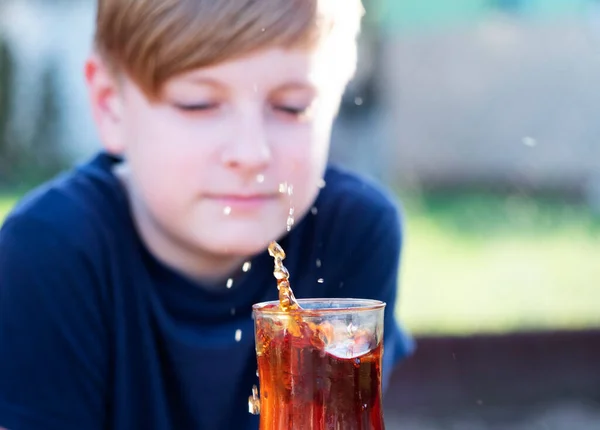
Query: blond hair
x=154, y=40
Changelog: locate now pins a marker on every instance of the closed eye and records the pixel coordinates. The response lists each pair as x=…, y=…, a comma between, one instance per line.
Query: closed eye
x=197, y=107
x=292, y=110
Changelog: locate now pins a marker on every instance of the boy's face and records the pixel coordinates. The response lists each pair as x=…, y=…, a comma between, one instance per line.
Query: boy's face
x=218, y=162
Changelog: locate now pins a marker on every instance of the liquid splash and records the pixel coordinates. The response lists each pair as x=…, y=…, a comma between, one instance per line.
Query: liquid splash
x=287, y=301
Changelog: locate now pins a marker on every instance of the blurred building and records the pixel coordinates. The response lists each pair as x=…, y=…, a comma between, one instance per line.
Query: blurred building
x=493, y=92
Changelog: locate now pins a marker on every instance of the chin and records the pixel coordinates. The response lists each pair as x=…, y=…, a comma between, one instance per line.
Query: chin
x=238, y=246
x=238, y=237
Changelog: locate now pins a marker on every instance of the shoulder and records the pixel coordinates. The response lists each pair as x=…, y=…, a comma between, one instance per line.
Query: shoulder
x=350, y=193
x=77, y=208
x=353, y=203
x=353, y=233
x=57, y=243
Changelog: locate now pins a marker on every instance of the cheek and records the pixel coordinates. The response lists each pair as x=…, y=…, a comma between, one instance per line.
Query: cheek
x=170, y=146
x=167, y=161
x=300, y=161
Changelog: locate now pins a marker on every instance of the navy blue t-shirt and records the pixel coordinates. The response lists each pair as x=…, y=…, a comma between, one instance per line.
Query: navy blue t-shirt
x=96, y=333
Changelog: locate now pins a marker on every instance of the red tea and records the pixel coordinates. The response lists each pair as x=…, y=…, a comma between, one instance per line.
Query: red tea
x=317, y=370
x=305, y=386
x=287, y=301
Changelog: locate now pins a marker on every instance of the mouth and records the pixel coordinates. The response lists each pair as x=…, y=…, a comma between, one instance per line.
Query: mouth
x=232, y=203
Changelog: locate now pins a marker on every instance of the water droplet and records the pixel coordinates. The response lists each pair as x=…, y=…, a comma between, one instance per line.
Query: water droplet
x=290, y=219
x=290, y=223
x=232, y=311
x=230, y=283
x=256, y=372
x=260, y=178
x=320, y=280
x=227, y=210
x=357, y=361
x=238, y=335
x=321, y=184
x=262, y=29
x=283, y=187
x=246, y=267
x=314, y=211
x=358, y=101
x=529, y=141
x=290, y=190
x=318, y=263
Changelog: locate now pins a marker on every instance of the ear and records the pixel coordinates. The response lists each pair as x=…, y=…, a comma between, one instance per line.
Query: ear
x=106, y=102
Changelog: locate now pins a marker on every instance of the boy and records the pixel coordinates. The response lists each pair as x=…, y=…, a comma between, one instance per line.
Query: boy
x=126, y=285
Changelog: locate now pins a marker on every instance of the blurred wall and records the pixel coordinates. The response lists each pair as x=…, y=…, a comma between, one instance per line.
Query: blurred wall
x=503, y=98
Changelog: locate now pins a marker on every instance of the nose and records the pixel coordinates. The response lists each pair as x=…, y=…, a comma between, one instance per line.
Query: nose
x=248, y=147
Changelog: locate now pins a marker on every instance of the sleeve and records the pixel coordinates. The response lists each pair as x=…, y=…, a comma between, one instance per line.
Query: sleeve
x=53, y=365
x=370, y=270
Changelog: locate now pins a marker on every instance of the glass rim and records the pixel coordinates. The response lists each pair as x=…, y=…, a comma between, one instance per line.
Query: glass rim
x=352, y=305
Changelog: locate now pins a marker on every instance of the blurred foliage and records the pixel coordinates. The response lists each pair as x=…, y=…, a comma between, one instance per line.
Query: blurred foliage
x=482, y=262
x=6, y=72
x=7, y=201
x=27, y=157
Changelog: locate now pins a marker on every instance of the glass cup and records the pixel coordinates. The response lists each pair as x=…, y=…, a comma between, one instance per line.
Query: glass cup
x=319, y=367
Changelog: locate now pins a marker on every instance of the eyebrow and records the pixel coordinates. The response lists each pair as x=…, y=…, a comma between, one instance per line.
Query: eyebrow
x=295, y=86
x=202, y=80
